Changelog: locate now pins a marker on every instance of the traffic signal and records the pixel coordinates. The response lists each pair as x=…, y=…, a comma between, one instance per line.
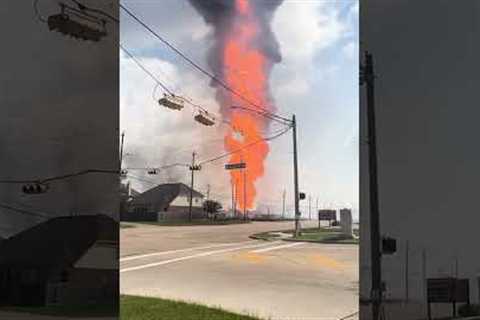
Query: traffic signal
x=35, y=188
x=172, y=101
x=301, y=195
x=205, y=118
x=389, y=245
x=152, y=171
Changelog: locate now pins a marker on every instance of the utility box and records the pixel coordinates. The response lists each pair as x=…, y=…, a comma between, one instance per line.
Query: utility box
x=346, y=221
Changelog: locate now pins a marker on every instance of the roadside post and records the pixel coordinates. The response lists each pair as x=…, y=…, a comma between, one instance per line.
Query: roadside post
x=243, y=166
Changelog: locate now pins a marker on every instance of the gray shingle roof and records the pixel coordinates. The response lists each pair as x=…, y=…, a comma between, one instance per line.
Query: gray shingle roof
x=162, y=195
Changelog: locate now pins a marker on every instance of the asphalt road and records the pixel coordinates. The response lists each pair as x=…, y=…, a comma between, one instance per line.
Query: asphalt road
x=221, y=266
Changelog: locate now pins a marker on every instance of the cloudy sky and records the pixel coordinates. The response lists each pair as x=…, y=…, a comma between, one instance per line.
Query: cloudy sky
x=317, y=80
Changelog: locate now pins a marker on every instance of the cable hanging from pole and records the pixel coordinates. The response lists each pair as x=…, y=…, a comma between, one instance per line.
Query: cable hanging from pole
x=213, y=77
x=83, y=7
x=157, y=81
x=62, y=177
x=245, y=147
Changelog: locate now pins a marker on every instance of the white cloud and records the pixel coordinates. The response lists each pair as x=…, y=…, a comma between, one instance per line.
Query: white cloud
x=303, y=28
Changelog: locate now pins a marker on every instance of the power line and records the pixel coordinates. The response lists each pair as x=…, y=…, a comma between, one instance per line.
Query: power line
x=62, y=177
x=202, y=70
x=141, y=179
x=19, y=210
x=83, y=7
x=160, y=168
x=245, y=147
x=159, y=83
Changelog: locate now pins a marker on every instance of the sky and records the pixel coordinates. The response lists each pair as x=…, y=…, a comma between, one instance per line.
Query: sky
x=319, y=61
x=426, y=93
x=59, y=115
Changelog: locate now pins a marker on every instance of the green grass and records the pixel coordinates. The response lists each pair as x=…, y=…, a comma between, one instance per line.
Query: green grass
x=322, y=235
x=200, y=222
x=81, y=311
x=126, y=226
x=141, y=308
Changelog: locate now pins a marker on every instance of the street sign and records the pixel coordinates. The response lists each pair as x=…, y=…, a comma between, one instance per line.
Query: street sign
x=232, y=166
x=462, y=291
x=440, y=290
x=35, y=188
x=447, y=290
x=327, y=215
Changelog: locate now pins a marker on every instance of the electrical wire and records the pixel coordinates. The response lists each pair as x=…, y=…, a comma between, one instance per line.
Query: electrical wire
x=158, y=82
x=245, y=147
x=19, y=210
x=141, y=179
x=164, y=87
x=62, y=177
x=83, y=7
x=202, y=70
x=349, y=316
x=161, y=167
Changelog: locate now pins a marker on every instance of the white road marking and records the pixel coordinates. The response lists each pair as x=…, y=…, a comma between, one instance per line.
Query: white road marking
x=161, y=253
x=278, y=247
x=198, y=255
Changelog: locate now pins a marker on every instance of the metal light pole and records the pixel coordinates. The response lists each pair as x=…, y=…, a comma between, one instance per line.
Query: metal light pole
x=295, y=177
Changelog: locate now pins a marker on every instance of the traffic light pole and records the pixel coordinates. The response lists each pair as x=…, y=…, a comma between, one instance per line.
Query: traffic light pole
x=192, y=168
x=295, y=177
x=376, y=288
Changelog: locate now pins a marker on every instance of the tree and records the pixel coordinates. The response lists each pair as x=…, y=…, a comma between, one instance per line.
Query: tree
x=212, y=207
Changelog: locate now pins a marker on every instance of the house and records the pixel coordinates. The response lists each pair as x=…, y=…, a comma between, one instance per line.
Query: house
x=58, y=262
x=165, y=201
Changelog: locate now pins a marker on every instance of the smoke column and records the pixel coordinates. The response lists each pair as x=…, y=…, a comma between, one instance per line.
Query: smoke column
x=243, y=55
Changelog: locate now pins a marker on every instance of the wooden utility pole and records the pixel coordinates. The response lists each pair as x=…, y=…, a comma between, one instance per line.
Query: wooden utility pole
x=192, y=168
x=244, y=193
x=233, y=197
x=368, y=77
